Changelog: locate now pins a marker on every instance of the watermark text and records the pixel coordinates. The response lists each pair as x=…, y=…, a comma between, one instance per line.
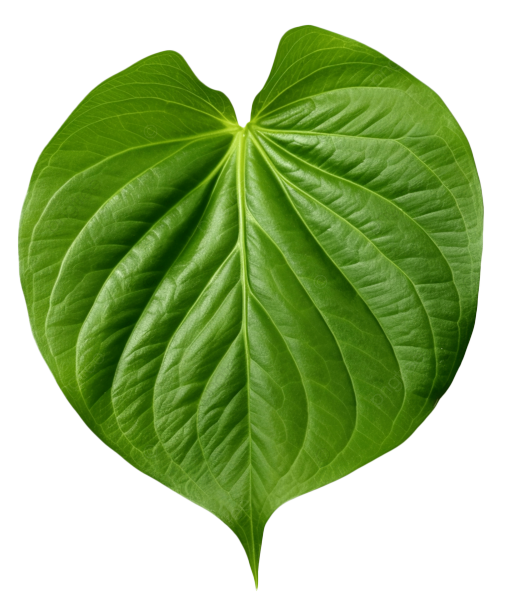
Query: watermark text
x=392, y=529
x=72, y=529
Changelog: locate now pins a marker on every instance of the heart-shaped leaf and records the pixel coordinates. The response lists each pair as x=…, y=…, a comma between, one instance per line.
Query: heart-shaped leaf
x=247, y=314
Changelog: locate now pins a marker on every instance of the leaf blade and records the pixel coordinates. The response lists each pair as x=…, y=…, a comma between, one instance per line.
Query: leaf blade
x=249, y=314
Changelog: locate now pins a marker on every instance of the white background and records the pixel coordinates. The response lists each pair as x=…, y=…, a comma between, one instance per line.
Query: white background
x=426, y=525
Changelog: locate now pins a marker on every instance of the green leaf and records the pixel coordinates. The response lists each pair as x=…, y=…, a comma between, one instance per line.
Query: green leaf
x=248, y=314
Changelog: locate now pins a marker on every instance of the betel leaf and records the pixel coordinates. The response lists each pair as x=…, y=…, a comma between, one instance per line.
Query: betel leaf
x=247, y=314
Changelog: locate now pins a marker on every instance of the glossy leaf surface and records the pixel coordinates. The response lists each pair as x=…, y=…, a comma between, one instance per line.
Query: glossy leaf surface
x=249, y=314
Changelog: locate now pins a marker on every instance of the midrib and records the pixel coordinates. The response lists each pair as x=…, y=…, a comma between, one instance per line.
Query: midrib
x=242, y=245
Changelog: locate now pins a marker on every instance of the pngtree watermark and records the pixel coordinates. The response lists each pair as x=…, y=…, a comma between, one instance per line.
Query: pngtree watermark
x=72, y=529
x=222, y=60
x=392, y=529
